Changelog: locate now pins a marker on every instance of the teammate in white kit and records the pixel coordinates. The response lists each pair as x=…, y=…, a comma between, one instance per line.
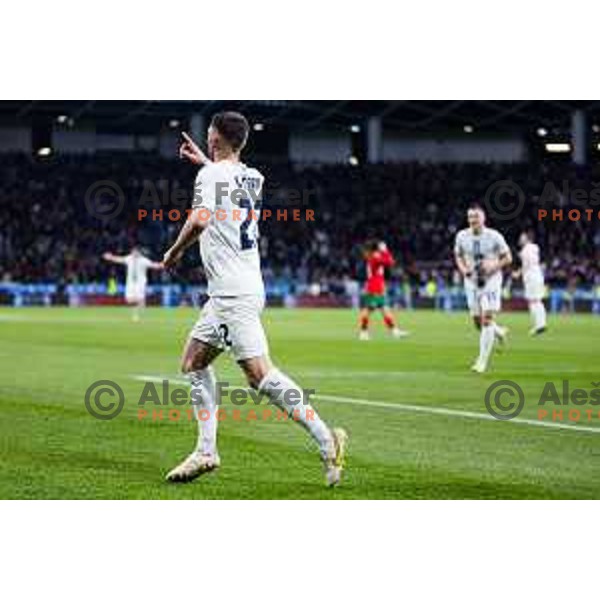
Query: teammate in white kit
x=533, y=282
x=225, y=220
x=137, y=277
x=481, y=254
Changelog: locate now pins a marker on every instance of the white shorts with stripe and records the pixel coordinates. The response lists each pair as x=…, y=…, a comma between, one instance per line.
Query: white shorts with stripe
x=232, y=323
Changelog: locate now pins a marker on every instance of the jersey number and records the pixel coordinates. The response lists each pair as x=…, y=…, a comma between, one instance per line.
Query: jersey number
x=248, y=241
x=224, y=331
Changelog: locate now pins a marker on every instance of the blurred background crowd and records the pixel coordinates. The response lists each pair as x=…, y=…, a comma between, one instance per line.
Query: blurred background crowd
x=49, y=233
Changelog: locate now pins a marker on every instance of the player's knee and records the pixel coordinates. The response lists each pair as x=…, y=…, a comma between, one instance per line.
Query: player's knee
x=487, y=320
x=253, y=380
x=255, y=371
x=254, y=377
x=192, y=362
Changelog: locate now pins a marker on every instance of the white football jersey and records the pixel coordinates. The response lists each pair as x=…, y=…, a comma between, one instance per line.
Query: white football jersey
x=475, y=248
x=137, y=270
x=530, y=259
x=231, y=192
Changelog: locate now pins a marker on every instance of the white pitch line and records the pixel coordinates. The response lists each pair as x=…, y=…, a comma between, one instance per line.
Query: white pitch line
x=430, y=410
x=451, y=412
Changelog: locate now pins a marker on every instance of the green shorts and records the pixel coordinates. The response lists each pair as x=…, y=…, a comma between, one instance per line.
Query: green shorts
x=373, y=301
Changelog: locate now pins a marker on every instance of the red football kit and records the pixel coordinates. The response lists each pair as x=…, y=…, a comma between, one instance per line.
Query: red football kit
x=377, y=263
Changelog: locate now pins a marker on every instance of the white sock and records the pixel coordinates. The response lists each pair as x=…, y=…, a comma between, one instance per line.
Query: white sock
x=533, y=315
x=276, y=386
x=204, y=402
x=486, y=343
x=538, y=312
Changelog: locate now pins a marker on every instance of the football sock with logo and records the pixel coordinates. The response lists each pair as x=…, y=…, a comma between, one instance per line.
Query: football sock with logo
x=287, y=394
x=204, y=402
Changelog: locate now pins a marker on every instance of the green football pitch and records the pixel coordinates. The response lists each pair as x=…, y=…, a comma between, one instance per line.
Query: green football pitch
x=415, y=414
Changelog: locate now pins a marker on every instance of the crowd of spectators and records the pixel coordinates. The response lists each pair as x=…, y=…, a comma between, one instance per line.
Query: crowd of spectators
x=50, y=230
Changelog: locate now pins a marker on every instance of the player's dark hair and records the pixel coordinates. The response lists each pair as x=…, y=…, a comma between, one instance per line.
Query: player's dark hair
x=233, y=127
x=370, y=245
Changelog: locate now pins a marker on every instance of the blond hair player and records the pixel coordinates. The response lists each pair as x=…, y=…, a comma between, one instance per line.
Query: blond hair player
x=481, y=253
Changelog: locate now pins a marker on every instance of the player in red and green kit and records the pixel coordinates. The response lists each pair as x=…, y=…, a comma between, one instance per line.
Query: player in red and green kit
x=378, y=258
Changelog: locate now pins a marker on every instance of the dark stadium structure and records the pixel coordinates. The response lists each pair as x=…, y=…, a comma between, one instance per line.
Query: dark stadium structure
x=402, y=115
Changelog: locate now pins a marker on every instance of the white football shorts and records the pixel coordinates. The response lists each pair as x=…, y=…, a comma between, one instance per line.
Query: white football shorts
x=484, y=299
x=135, y=293
x=534, y=286
x=232, y=323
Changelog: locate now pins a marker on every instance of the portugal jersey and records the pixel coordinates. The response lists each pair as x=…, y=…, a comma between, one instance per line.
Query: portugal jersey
x=227, y=194
x=377, y=262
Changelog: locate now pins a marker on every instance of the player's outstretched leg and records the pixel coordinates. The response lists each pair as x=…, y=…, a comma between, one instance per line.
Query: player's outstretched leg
x=390, y=323
x=205, y=458
x=486, y=343
x=363, y=333
x=282, y=391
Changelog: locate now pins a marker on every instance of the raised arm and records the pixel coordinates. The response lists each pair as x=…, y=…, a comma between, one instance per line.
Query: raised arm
x=113, y=258
x=387, y=258
x=193, y=227
x=198, y=219
x=190, y=151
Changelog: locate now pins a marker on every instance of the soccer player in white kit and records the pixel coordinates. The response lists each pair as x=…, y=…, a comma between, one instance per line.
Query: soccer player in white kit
x=137, y=277
x=533, y=282
x=481, y=253
x=224, y=220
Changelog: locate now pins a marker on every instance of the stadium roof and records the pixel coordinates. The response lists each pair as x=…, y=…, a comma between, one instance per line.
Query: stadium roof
x=405, y=116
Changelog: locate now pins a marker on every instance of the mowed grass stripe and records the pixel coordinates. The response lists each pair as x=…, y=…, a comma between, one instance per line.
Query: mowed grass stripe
x=431, y=410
